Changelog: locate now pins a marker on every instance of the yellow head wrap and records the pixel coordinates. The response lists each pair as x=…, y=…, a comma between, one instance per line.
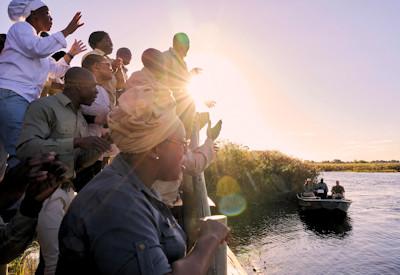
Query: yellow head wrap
x=145, y=117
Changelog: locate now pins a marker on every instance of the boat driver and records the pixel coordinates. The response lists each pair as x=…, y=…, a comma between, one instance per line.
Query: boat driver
x=337, y=191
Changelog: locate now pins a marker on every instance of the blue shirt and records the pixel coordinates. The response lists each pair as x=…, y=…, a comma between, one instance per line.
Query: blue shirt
x=116, y=225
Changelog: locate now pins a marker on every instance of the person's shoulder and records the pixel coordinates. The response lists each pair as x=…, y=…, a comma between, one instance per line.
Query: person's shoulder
x=21, y=26
x=43, y=102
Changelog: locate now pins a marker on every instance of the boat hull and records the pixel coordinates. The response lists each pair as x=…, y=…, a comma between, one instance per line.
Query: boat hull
x=315, y=203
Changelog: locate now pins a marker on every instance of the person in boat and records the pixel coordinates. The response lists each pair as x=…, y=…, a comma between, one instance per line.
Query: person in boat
x=308, y=188
x=337, y=191
x=321, y=189
x=117, y=223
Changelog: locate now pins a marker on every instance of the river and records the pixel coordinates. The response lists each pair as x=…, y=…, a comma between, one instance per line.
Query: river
x=277, y=239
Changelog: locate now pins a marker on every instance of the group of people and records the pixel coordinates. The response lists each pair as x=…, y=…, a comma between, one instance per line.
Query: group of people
x=321, y=189
x=120, y=143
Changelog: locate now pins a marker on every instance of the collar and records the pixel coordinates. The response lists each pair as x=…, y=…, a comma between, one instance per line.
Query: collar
x=120, y=166
x=63, y=99
x=99, y=52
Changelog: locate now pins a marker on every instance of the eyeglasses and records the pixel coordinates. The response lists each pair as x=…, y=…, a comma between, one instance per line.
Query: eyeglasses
x=184, y=143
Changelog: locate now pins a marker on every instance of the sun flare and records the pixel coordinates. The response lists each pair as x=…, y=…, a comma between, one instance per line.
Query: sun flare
x=222, y=81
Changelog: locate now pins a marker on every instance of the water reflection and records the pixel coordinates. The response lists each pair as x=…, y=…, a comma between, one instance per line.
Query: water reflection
x=327, y=225
x=261, y=220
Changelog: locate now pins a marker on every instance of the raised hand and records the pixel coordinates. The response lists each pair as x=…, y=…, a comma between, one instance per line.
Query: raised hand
x=213, y=132
x=210, y=103
x=196, y=71
x=73, y=25
x=77, y=47
x=117, y=64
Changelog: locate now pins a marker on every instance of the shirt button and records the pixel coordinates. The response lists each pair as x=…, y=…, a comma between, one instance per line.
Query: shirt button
x=142, y=246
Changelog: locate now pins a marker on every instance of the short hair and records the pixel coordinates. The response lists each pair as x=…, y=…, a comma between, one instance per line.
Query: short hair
x=92, y=59
x=180, y=38
x=75, y=76
x=96, y=37
x=153, y=59
x=123, y=51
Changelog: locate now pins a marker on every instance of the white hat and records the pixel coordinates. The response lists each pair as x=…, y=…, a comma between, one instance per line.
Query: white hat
x=19, y=10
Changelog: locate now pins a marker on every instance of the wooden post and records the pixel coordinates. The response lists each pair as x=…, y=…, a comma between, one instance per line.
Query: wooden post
x=196, y=207
x=219, y=264
x=195, y=197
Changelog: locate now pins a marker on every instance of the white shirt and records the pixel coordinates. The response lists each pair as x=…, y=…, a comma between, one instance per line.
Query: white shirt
x=25, y=60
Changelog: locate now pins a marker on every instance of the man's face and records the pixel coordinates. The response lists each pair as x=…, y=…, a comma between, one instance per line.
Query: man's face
x=103, y=71
x=88, y=91
x=43, y=19
x=126, y=58
x=105, y=45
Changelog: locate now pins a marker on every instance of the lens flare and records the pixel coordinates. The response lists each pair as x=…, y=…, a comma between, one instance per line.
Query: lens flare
x=227, y=186
x=232, y=205
x=231, y=202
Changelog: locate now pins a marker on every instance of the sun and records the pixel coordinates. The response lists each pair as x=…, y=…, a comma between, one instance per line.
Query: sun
x=222, y=81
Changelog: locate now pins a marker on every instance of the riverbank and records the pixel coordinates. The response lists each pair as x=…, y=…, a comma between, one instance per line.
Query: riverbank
x=245, y=176
x=383, y=167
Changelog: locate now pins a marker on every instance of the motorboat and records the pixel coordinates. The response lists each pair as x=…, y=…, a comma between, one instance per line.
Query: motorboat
x=309, y=201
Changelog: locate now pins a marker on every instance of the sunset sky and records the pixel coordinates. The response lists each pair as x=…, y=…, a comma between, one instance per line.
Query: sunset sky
x=315, y=79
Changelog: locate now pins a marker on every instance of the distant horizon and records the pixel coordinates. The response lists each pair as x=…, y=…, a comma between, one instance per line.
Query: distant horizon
x=316, y=161
x=316, y=80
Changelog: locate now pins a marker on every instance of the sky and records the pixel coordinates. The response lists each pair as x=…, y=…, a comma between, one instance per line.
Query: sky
x=314, y=79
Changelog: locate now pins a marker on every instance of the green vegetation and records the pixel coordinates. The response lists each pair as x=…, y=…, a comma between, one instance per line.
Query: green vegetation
x=357, y=166
x=256, y=175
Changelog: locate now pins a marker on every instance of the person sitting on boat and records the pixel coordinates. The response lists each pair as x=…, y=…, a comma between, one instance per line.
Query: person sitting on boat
x=337, y=191
x=308, y=188
x=321, y=190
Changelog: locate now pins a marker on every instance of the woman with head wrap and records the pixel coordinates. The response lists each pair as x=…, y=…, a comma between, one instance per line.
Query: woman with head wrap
x=25, y=62
x=117, y=224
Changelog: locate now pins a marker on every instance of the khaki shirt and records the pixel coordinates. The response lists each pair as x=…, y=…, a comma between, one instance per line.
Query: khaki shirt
x=50, y=125
x=337, y=189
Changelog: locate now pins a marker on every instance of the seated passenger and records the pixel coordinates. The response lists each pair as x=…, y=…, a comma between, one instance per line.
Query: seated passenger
x=337, y=191
x=321, y=189
x=308, y=188
x=117, y=224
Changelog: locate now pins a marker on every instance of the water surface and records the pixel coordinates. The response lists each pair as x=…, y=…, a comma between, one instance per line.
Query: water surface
x=277, y=239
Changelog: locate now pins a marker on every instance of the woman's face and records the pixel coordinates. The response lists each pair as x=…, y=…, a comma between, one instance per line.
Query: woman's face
x=171, y=153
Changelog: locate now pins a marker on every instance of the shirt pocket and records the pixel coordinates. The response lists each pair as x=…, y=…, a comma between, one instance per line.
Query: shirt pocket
x=172, y=243
x=144, y=258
